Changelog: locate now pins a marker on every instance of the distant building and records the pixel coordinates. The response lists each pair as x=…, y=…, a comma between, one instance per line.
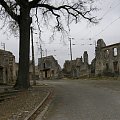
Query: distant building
x=49, y=68
x=71, y=69
x=107, y=59
x=77, y=68
x=7, y=67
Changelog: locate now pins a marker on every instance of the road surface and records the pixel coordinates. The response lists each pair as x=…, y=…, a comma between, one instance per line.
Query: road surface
x=84, y=100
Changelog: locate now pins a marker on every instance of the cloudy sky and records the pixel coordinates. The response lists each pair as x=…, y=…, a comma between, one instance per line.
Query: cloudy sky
x=84, y=35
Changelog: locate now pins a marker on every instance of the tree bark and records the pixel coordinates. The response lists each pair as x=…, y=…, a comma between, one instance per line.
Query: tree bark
x=24, y=49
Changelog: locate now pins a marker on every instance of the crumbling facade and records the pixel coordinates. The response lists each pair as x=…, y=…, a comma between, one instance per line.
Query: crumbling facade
x=72, y=68
x=77, y=68
x=107, y=59
x=105, y=63
x=7, y=67
x=49, y=68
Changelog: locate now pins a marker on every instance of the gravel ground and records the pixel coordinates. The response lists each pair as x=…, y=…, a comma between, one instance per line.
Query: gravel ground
x=19, y=106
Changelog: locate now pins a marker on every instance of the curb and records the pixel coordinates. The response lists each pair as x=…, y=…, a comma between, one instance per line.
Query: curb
x=33, y=115
x=43, y=112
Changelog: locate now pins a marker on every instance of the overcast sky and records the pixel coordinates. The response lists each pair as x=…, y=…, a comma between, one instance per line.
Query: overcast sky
x=83, y=33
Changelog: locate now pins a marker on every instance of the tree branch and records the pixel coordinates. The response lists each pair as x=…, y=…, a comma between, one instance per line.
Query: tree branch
x=8, y=10
x=34, y=2
x=71, y=10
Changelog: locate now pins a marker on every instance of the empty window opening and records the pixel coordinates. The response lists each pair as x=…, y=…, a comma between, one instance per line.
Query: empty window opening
x=107, y=66
x=115, y=51
x=44, y=65
x=46, y=74
x=116, y=68
x=1, y=75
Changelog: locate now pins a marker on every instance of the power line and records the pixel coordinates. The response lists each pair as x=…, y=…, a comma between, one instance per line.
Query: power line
x=110, y=9
x=107, y=27
x=104, y=29
x=106, y=14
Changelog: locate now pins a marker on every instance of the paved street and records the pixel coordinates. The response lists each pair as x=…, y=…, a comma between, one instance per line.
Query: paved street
x=84, y=100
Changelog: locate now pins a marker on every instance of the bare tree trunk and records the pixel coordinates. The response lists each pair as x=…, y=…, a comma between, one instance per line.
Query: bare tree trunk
x=24, y=49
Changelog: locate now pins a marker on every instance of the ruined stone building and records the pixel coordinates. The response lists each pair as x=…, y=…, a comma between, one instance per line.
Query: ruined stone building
x=77, y=68
x=49, y=68
x=71, y=68
x=92, y=68
x=7, y=67
x=107, y=59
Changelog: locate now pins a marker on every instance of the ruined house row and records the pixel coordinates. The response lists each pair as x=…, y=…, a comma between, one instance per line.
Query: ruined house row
x=48, y=68
x=105, y=63
x=9, y=69
x=77, y=68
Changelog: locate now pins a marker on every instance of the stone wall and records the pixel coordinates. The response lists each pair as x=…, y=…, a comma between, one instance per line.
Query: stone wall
x=77, y=68
x=7, y=67
x=107, y=59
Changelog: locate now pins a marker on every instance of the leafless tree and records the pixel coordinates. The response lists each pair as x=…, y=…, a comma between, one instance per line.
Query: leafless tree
x=21, y=13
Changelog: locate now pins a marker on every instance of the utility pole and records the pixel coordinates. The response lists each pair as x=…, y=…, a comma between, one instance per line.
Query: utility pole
x=4, y=78
x=41, y=51
x=95, y=44
x=46, y=52
x=33, y=60
x=41, y=62
x=71, y=47
x=3, y=45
